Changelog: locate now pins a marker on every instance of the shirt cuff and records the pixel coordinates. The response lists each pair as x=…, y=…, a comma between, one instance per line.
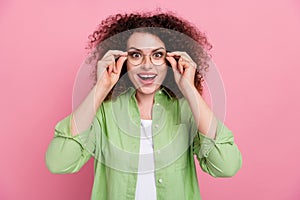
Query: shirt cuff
x=204, y=145
x=63, y=129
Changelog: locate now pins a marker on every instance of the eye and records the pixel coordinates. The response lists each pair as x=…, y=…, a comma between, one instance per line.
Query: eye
x=135, y=55
x=157, y=55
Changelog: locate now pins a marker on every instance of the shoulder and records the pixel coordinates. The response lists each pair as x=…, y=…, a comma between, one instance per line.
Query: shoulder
x=123, y=100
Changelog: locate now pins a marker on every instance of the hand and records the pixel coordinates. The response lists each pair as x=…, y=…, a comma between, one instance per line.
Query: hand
x=108, y=69
x=184, y=70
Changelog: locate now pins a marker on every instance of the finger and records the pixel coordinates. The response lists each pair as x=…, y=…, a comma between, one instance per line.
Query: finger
x=186, y=57
x=177, y=55
x=110, y=68
x=103, y=66
x=173, y=63
x=115, y=53
x=174, y=55
x=181, y=64
x=119, y=64
x=182, y=54
x=106, y=62
x=113, y=65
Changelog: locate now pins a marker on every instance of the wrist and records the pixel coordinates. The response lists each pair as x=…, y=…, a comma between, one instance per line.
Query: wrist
x=189, y=91
x=99, y=93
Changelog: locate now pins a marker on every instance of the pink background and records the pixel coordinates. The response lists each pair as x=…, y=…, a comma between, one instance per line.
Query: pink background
x=256, y=48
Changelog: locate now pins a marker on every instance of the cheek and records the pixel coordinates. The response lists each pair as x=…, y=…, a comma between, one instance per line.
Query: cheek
x=130, y=72
x=128, y=66
x=163, y=71
x=130, y=69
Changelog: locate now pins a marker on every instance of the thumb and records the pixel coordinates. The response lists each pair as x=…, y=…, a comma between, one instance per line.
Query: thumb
x=173, y=63
x=119, y=63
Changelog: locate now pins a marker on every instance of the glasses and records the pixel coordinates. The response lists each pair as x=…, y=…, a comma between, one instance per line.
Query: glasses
x=137, y=57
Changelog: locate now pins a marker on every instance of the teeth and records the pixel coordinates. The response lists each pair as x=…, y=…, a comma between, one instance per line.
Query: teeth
x=147, y=76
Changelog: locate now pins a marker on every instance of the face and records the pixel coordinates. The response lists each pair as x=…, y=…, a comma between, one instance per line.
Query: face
x=146, y=62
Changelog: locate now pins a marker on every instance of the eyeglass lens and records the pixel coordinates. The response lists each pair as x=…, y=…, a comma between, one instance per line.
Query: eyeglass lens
x=137, y=58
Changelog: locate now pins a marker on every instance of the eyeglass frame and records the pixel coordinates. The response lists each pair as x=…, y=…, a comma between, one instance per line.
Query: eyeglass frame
x=136, y=50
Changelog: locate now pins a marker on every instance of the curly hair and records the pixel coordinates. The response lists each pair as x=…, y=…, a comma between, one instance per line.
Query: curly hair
x=177, y=34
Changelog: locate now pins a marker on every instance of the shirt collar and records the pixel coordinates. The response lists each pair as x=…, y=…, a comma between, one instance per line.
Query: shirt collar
x=131, y=92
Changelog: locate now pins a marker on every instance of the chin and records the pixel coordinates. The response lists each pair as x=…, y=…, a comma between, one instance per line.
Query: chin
x=148, y=89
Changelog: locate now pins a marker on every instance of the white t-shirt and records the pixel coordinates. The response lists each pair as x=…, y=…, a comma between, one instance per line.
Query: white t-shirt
x=145, y=186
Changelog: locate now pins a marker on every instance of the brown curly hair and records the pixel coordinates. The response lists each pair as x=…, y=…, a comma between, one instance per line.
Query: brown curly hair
x=178, y=35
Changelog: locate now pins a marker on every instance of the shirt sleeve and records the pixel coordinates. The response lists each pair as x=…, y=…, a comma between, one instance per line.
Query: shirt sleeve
x=67, y=153
x=220, y=157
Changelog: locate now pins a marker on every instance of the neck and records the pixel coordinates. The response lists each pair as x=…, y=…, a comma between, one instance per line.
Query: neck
x=144, y=99
x=145, y=103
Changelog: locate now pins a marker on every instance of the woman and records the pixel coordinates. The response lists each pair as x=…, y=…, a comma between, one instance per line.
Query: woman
x=145, y=118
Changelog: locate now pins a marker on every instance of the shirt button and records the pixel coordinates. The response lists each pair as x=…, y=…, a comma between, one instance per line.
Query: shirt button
x=156, y=126
x=158, y=151
x=159, y=92
x=160, y=180
x=157, y=104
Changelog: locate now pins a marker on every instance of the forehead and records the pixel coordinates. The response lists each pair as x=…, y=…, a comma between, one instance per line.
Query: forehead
x=142, y=40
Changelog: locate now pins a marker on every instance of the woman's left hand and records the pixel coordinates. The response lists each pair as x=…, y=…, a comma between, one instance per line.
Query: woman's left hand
x=184, y=69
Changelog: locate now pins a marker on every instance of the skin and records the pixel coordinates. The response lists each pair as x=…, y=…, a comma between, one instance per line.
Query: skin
x=147, y=43
x=109, y=72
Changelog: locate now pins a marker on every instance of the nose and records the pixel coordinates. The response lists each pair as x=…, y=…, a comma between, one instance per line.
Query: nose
x=147, y=64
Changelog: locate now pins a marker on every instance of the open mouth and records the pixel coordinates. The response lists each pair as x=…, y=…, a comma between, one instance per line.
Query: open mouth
x=147, y=76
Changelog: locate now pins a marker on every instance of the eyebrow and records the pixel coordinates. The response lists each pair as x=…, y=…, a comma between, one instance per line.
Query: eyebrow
x=137, y=49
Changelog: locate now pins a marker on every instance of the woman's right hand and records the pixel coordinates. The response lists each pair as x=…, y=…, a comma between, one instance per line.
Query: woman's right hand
x=108, y=73
x=108, y=69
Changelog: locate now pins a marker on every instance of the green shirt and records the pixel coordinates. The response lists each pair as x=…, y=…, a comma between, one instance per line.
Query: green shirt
x=113, y=140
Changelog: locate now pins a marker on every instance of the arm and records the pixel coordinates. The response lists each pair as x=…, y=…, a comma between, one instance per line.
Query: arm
x=74, y=138
x=213, y=144
x=65, y=154
x=107, y=76
x=219, y=157
x=184, y=74
x=206, y=121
